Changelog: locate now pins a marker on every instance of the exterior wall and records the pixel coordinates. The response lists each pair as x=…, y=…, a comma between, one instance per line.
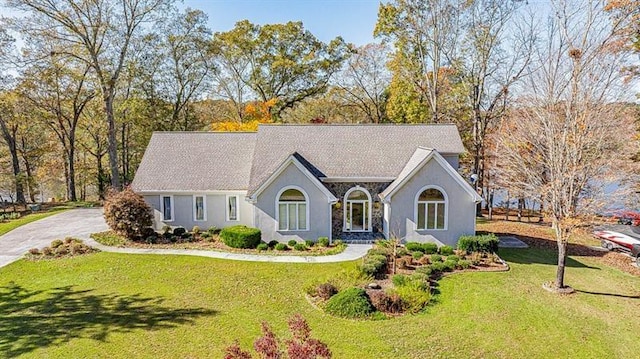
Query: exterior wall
x=454, y=161
x=318, y=220
x=216, y=214
x=339, y=189
x=460, y=208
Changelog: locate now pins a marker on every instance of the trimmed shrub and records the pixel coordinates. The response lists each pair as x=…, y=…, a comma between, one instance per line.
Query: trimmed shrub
x=399, y=280
x=374, y=265
x=179, y=231
x=426, y=270
x=326, y=290
x=309, y=243
x=435, y=258
x=350, y=303
x=414, y=296
x=437, y=267
x=196, y=230
x=323, y=241
x=417, y=255
x=454, y=258
x=338, y=242
x=300, y=247
x=292, y=243
x=281, y=247
x=262, y=247
x=34, y=251
x=241, y=236
x=387, y=303
x=429, y=248
x=486, y=243
x=449, y=265
x=464, y=264
x=61, y=251
x=166, y=229
x=273, y=243
x=47, y=251
x=213, y=230
x=414, y=246
x=56, y=243
x=446, y=250
x=127, y=213
x=401, y=252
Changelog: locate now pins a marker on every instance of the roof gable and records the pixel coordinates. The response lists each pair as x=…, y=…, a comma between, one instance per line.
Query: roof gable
x=419, y=159
x=298, y=161
x=347, y=151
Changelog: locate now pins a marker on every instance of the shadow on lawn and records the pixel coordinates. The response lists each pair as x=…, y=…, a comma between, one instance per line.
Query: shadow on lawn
x=537, y=256
x=31, y=319
x=609, y=294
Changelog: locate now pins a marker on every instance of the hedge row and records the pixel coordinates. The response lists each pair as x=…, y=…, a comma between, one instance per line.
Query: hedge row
x=241, y=236
x=485, y=243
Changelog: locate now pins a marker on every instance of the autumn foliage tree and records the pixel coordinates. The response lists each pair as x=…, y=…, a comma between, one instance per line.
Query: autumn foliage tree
x=255, y=113
x=570, y=132
x=127, y=213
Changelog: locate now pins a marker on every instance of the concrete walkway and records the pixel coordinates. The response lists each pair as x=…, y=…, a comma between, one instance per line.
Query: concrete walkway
x=80, y=223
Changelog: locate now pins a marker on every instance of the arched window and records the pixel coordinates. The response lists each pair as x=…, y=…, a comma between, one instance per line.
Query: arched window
x=357, y=210
x=292, y=210
x=431, y=208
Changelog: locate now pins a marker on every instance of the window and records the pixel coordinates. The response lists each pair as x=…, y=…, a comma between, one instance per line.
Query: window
x=232, y=208
x=431, y=209
x=357, y=210
x=292, y=210
x=166, y=207
x=199, y=208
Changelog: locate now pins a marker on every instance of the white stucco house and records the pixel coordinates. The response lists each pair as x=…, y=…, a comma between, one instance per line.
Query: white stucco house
x=349, y=182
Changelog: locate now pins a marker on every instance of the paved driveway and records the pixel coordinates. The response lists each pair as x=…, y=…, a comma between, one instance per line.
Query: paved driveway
x=78, y=223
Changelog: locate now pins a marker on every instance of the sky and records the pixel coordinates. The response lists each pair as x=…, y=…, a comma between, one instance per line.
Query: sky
x=354, y=20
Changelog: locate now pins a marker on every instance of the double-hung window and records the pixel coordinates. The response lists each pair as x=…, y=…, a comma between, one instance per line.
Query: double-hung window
x=199, y=208
x=431, y=210
x=292, y=210
x=232, y=208
x=166, y=207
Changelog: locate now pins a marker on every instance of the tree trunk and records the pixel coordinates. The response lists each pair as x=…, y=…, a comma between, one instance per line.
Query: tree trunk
x=71, y=195
x=15, y=163
x=101, y=177
x=113, y=141
x=562, y=237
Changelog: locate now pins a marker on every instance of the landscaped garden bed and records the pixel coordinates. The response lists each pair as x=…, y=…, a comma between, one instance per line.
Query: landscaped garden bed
x=179, y=238
x=394, y=280
x=61, y=248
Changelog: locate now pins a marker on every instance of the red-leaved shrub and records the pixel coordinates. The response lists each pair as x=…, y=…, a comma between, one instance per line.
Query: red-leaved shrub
x=127, y=213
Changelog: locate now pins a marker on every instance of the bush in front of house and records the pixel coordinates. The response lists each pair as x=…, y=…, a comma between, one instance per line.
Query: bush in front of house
x=414, y=295
x=281, y=247
x=292, y=242
x=300, y=247
x=445, y=250
x=127, y=213
x=241, y=236
x=374, y=265
x=487, y=243
x=68, y=247
x=262, y=247
x=426, y=248
x=350, y=303
x=309, y=243
x=323, y=241
x=326, y=290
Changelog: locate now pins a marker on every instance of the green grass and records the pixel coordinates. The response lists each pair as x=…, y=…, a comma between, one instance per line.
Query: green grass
x=6, y=227
x=119, y=306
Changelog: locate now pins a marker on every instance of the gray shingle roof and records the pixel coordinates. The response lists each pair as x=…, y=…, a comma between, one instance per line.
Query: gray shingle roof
x=196, y=161
x=348, y=150
x=209, y=161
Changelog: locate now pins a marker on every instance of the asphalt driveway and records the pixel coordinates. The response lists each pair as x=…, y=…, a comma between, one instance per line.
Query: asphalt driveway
x=78, y=223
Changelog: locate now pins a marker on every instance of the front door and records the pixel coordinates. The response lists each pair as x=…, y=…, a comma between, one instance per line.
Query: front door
x=357, y=216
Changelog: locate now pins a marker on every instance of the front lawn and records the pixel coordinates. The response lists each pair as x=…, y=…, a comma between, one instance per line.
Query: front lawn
x=121, y=306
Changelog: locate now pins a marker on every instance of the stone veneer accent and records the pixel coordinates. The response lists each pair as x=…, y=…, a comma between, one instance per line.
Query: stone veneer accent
x=339, y=189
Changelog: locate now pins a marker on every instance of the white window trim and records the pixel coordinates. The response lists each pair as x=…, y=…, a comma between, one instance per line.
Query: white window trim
x=172, y=203
x=204, y=207
x=306, y=201
x=344, y=211
x=227, y=217
x=446, y=208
